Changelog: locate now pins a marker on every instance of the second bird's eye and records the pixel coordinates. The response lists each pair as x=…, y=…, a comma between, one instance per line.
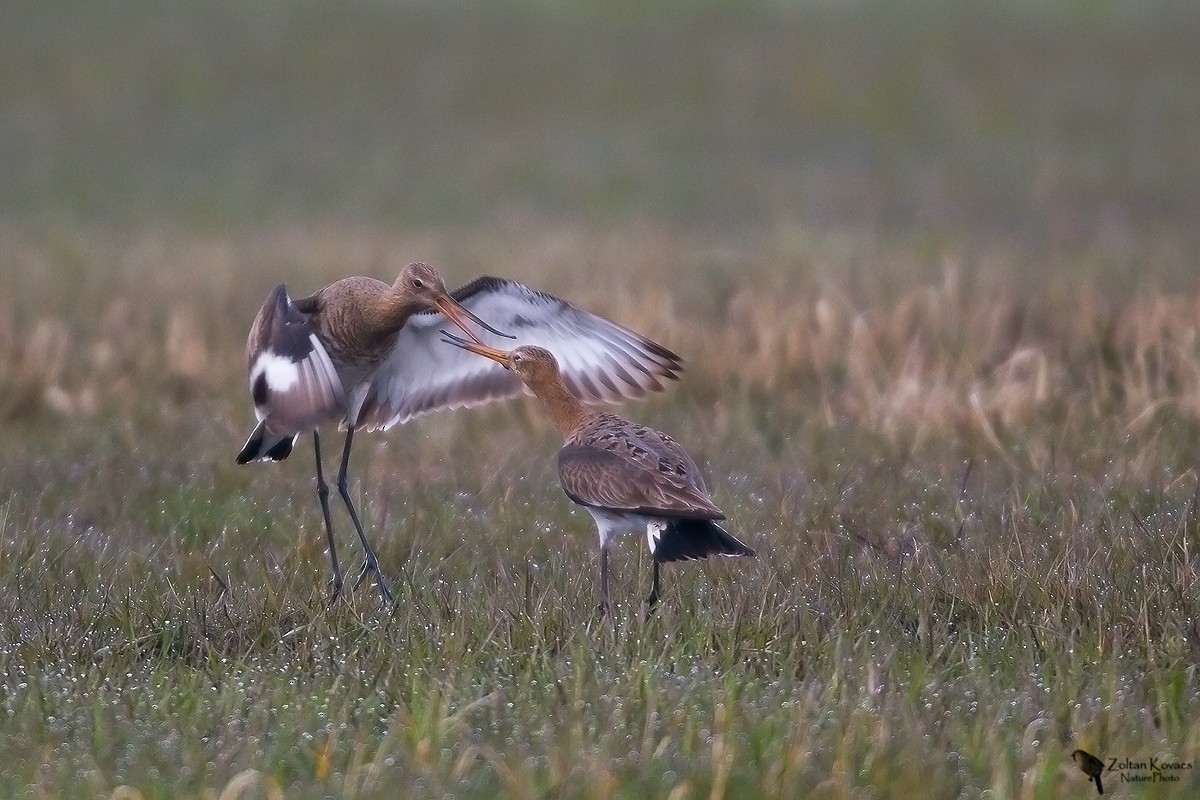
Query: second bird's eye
x=418, y=283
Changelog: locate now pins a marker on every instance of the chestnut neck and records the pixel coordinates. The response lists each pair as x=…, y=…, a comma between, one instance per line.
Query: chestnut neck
x=567, y=412
x=393, y=308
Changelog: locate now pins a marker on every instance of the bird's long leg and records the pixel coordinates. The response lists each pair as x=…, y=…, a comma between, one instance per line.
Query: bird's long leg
x=323, y=496
x=605, y=605
x=652, y=600
x=372, y=562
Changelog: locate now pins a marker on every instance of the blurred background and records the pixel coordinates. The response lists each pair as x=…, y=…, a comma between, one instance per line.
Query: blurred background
x=745, y=178
x=933, y=266
x=1053, y=124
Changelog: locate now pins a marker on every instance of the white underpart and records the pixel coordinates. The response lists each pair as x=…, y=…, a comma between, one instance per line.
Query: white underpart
x=610, y=524
x=655, y=528
x=355, y=403
x=282, y=373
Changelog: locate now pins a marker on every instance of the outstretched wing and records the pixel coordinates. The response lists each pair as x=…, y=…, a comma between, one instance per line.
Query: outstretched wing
x=600, y=360
x=292, y=380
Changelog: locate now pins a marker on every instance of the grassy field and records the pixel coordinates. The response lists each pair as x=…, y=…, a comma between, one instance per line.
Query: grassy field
x=934, y=272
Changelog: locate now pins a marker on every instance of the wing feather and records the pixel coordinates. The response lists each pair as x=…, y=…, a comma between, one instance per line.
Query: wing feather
x=601, y=361
x=293, y=382
x=592, y=476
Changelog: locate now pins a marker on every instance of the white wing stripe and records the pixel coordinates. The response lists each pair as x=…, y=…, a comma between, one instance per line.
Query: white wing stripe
x=329, y=372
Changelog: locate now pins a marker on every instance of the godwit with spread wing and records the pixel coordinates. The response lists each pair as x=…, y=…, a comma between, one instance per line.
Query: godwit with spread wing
x=629, y=477
x=366, y=354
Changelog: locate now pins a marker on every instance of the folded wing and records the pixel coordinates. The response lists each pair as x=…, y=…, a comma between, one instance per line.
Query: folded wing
x=600, y=478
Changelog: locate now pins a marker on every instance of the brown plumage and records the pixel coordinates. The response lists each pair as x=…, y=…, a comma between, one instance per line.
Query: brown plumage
x=311, y=362
x=628, y=476
x=365, y=354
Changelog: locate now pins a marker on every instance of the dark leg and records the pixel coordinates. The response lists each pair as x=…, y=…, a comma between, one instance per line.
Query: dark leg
x=605, y=605
x=372, y=562
x=323, y=496
x=652, y=600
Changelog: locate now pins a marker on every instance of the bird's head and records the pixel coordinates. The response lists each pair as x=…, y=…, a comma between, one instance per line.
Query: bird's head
x=421, y=285
x=533, y=365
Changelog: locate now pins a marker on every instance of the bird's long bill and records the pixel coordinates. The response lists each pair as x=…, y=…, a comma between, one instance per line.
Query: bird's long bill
x=458, y=314
x=477, y=347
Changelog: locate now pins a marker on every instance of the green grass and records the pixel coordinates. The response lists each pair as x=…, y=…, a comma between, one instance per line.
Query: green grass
x=932, y=270
x=955, y=587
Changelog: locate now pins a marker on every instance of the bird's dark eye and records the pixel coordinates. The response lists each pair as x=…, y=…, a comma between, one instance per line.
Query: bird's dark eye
x=417, y=283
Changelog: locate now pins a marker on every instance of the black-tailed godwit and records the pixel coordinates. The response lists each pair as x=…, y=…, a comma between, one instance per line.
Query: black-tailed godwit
x=365, y=354
x=629, y=477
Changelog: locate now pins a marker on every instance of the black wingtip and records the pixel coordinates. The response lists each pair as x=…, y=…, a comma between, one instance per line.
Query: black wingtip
x=282, y=449
x=278, y=299
x=253, y=446
x=674, y=360
x=281, y=329
x=690, y=539
x=258, y=448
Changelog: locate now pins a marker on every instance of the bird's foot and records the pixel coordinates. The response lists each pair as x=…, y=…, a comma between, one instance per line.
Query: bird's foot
x=605, y=623
x=651, y=604
x=385, y=591
x=335, y=589
x=362, y=574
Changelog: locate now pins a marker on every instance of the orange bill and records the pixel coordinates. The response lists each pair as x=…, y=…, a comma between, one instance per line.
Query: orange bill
x=477, y=347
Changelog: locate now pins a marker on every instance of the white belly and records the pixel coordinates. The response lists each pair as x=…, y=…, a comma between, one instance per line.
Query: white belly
x=610, y=524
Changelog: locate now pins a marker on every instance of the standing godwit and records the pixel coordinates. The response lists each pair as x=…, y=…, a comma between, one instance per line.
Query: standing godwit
x=365, y=354
x=629, y=477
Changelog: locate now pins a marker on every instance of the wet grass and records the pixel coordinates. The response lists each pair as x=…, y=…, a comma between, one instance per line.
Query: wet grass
x=962, y=576
x=942, y=368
